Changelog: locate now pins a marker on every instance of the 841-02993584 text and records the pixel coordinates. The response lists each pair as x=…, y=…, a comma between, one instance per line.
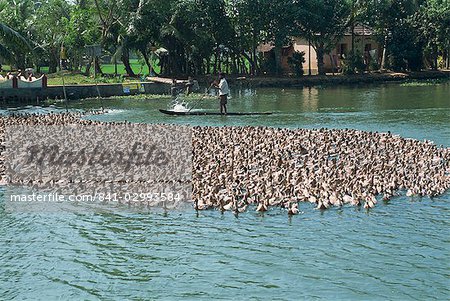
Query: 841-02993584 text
x=98, y=197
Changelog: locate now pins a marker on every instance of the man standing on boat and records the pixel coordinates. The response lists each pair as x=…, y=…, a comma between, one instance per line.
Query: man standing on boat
x=224, y=90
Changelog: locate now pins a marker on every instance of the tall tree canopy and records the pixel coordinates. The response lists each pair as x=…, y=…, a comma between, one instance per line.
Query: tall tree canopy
x=204, y=36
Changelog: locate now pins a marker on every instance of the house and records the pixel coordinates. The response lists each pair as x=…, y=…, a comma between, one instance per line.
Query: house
x=365, y=43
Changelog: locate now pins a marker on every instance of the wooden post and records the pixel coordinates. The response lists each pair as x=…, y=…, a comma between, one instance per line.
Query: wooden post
x=115, y=66
x=44, y=81
x=95, y=68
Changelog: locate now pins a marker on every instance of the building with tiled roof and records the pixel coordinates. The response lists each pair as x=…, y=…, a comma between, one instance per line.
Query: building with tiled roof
x=364, y=40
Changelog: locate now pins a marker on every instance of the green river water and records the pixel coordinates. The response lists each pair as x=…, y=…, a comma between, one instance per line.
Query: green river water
x=400, y=250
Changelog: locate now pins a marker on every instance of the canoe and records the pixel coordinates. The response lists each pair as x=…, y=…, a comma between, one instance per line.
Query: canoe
x=202, y=113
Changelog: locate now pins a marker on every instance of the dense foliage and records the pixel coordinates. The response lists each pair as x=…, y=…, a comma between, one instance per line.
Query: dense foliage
x=205, y=36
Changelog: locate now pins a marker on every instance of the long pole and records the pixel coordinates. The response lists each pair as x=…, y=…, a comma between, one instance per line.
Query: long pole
x=64, y=91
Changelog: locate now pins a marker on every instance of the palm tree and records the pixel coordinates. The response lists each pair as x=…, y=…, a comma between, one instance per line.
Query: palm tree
x=9, y=41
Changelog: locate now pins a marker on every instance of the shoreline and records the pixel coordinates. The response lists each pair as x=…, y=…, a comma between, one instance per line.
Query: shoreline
x=332, y=80
x=161, y=87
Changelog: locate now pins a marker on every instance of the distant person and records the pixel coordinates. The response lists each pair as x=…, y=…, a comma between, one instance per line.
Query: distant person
x=224, y=90
x=63, y=58
x=174, y=89
x=189, y=86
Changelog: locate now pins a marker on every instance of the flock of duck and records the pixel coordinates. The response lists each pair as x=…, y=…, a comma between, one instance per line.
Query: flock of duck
x=238, y=168
x=235, y=167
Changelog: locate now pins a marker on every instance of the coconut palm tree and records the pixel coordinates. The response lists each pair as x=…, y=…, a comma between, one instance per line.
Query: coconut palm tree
x=10, y=40
x=16, y=20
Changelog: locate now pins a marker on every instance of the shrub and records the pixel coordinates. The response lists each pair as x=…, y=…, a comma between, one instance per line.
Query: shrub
x=296, y=62
x=353, y=63
x=268, y=64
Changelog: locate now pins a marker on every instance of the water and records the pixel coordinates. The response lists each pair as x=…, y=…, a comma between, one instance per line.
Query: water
x=416, y=112
x=400, y=250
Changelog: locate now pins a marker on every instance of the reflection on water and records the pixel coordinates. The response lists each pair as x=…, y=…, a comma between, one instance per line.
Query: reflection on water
x=397, y=251
x=310, y=97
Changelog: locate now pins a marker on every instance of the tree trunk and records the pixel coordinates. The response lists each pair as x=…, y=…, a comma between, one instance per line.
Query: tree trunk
x=53, y=62
x=208, y=65
x=215, y=64
x=278, y=67
x=98, y=68
x=435, y=56
x=125, y=57
x=147, y=61
x=20, y=62
x=320, y=64
x=252, y=63
x=353, y=38
x=383, y=58
x=88, y=68
x=448, y=58
x=333, y=65
x=243, y=66
x=255, y=63
x=233, y=64
x=309, y=57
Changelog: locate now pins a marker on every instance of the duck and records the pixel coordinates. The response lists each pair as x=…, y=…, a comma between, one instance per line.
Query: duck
x=262, y=207
x=228, y=206
x=322, y=205
x=368, y=204
x=293, y=210
x=409, y=193
x=199, y=206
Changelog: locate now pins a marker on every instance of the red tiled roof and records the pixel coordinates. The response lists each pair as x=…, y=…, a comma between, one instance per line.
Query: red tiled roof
x=264, y=47
x=267, y=47
x=360, y=30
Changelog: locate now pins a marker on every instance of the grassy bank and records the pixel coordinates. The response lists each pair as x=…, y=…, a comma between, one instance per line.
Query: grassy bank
x=408, y=79
x=73, y=78
x=56, y=79
x=333, y=80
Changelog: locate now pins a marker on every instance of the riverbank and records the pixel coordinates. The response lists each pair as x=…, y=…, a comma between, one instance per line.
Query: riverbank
x=101, y=90
x=331, y=80
x=161, y=86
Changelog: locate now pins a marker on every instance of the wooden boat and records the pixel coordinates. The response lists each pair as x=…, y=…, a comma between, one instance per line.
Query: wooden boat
x=202, y=113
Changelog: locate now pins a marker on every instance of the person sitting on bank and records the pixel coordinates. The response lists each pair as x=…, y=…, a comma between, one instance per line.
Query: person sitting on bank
x=224, y=90
x=174, y=89
x=20, y=75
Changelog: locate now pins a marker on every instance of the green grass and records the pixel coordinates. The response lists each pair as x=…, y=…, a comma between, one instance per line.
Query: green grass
x=77, y=78
x=139, y=67
x=424, y=83
x=72, y=78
